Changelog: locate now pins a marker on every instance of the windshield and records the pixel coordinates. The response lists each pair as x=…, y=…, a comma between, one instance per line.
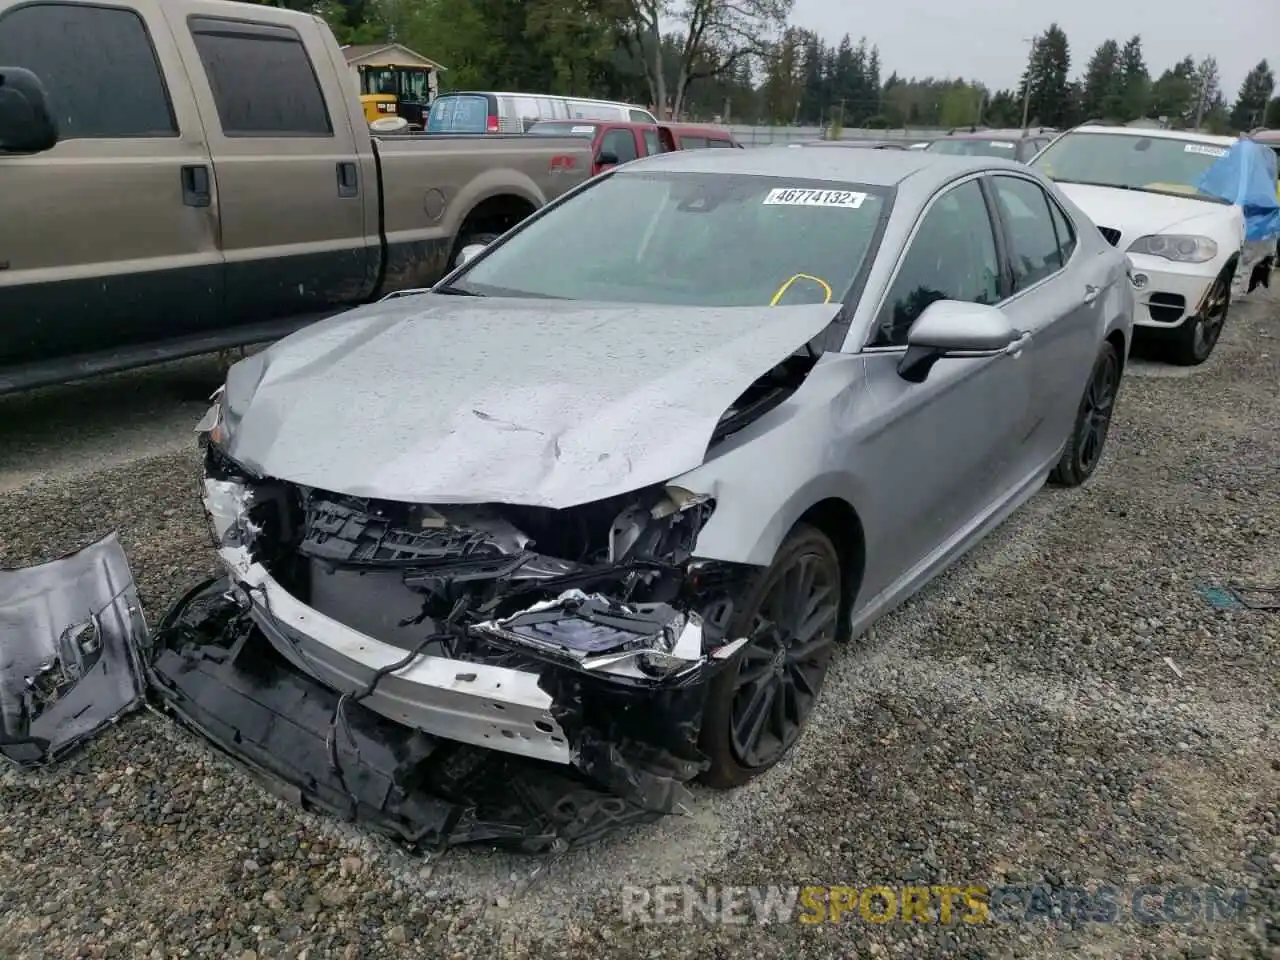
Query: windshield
x=969, y=147
x=713, y=240
x=1131, y=162
x=458, y=114
x=555, y=128
x=407, y=83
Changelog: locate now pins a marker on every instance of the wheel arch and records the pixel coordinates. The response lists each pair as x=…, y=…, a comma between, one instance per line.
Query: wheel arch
x=839, y=521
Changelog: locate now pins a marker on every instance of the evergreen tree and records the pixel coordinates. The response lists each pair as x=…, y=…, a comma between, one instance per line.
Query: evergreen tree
x=1272, y=119
x=1251, y=106
x=1135, y=81
x=1173, y=95
x=1047, y=78
x=1103, y=94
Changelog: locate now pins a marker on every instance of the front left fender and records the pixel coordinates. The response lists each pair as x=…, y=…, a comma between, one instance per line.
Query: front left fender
x=767, y=477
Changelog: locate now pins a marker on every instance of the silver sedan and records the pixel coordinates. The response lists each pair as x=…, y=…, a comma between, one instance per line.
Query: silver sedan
x=610, y=494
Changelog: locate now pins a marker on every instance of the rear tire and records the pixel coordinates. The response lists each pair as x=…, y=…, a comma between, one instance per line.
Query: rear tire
x=1192, y=343
x=757, y=706
x=1089, y=432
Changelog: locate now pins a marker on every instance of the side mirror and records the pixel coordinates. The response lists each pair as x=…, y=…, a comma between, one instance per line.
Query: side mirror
x=949, y=328
x=25, y=123
x=605, y=159
x=469, y=253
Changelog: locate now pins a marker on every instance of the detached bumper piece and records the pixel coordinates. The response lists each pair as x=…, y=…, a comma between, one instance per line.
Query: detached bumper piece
x=71, y=632
x=633, y=747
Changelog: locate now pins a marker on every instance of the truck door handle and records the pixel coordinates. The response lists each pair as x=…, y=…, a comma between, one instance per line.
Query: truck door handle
x=195, y=186
x=348, y=179
x=1090, y=293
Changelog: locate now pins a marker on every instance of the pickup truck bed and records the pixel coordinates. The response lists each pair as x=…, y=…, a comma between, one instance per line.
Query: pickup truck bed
x=235, y=194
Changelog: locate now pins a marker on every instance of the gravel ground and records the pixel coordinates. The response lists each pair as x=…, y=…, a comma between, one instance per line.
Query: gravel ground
x=1016, y=722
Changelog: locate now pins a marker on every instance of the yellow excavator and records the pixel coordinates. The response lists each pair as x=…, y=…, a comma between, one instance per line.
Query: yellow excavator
x=389, y=90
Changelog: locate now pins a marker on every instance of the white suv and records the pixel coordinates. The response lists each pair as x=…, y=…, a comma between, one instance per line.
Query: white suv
x=1139, y=187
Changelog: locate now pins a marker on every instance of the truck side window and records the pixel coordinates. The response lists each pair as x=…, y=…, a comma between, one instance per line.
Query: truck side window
x=98, y=66
x=262, y=79
x=652, y=144
x=621, y=143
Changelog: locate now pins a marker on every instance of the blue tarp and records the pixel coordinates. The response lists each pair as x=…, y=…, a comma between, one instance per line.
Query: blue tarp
x=1247, y=177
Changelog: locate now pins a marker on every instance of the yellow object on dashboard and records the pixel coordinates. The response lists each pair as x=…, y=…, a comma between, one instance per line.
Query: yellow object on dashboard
x=801, y=276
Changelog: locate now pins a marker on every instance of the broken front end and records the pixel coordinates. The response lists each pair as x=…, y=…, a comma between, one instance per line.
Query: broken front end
x=453, y=673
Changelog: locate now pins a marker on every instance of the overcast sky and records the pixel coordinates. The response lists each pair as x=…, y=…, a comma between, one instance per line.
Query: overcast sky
x=983, y=39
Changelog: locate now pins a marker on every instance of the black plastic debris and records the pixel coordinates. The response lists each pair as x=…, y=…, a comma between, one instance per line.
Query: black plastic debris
x=214, y=669
x=71, y=640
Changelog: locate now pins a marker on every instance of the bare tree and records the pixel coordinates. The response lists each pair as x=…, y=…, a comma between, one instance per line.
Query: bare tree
x=712, y=36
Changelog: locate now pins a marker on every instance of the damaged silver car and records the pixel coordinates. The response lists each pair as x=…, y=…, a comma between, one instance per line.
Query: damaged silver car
x=519, y=557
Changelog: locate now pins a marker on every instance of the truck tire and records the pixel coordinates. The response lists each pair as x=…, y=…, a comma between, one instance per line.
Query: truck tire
x=467, y=240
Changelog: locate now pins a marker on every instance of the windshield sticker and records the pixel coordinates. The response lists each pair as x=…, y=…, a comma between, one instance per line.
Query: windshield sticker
x=1205, y=150
x=1002, y=144
x=583, y=129
x=796, y=197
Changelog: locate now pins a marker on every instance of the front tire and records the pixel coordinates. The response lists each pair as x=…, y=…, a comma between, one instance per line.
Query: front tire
x=1089, y=432
x=757, y=706
x=466, y=240
x=1193, y=342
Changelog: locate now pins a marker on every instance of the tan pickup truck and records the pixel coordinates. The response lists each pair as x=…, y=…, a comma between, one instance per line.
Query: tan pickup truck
x=178, y=176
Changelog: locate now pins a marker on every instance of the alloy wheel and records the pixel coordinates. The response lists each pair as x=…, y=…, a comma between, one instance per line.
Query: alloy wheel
x=1212, y=318
x=782, y=667
x=1096, y=409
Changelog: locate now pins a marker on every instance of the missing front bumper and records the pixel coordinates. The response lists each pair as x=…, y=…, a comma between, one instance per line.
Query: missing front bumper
x=624, y=755
x=217, y=672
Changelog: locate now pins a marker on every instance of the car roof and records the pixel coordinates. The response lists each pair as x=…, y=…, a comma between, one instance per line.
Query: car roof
x=1187, y=136
x=695, y=128
x=854, y=142
x=589, y=122
x=541, y=96
x=995, y=135
x=876, y=168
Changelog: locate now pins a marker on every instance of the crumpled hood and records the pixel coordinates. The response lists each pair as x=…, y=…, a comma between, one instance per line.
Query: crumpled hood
x=1136, y=214
x=443, y=399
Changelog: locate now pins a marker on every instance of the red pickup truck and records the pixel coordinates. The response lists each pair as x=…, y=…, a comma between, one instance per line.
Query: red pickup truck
x=615, y=142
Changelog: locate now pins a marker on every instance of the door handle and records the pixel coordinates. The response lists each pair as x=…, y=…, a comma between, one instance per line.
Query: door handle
x=348, y=179
x=1090, y=293
x=195, y=186
x=1017, y=346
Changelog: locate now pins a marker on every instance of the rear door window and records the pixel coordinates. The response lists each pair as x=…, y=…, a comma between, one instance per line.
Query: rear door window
x=459, y=114
x=582, y=110
x=98, y=67
x=262, y=80
x=1066, y=233
x=621, y=143
x=1025, y=210
x=652, y=143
